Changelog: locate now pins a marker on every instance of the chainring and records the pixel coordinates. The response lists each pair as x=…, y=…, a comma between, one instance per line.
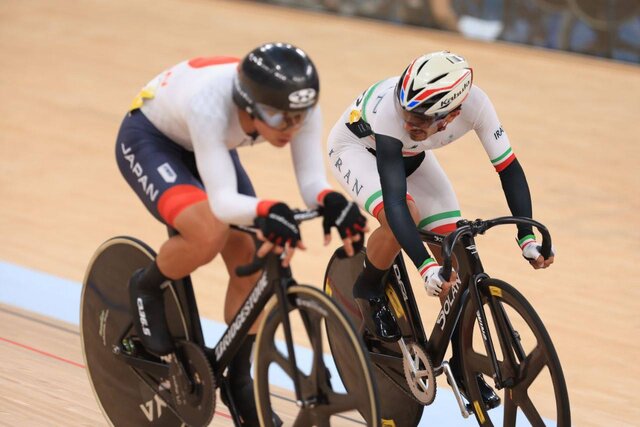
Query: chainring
x=420, y=375
x=192, y=385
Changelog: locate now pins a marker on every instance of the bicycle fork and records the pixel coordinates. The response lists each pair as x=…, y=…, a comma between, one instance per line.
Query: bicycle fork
x=281, y=290
x=484, y=331
x=286, y=324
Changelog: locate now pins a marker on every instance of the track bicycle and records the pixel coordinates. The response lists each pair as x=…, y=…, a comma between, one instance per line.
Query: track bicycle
x=135, y=388
x=491, y=326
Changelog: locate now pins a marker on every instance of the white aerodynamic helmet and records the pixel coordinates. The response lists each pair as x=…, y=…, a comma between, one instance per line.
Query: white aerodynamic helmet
x=434, y=84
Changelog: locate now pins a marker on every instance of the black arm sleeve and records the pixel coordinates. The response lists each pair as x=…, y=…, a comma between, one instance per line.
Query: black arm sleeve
x=516, y=190
x=394, y=193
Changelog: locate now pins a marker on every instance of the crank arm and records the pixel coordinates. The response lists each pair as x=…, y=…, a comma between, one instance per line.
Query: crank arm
x=456, y=391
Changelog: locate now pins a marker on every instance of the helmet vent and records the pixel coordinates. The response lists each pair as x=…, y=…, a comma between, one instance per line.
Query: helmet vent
x=421, y=67
x=442, y=76
x=433, y=101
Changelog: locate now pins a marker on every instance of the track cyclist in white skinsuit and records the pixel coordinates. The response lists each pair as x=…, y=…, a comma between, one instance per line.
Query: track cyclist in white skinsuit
x=380, y=150
x=177, y=150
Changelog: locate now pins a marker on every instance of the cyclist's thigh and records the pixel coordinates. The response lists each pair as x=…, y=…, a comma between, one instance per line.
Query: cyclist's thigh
x=157, y=169
x=434, y=196
x=355, y=169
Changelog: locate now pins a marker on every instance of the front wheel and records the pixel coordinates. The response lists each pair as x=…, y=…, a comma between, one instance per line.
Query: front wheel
x=536, y=392
x=323, y=401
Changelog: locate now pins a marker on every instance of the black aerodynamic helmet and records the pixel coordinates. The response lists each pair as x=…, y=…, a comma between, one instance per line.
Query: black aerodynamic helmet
x=276, y=75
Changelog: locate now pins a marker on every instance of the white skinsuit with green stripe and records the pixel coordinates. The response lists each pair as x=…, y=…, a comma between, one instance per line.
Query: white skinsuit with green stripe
x=355, y=168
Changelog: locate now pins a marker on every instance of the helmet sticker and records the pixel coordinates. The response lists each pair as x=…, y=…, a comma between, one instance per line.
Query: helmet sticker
x=302, y=98
x=445, y=102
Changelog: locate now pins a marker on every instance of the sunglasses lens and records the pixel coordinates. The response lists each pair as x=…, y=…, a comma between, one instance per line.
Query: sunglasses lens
x=279, y=119
x=421, y=118
x=416, y=119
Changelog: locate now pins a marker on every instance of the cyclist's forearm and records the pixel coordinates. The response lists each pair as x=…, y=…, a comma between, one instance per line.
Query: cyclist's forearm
x=404, y=230
x=394, y=192
x=516, y=191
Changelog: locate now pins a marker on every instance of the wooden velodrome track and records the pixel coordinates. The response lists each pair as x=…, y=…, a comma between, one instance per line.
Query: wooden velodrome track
x=68, y=70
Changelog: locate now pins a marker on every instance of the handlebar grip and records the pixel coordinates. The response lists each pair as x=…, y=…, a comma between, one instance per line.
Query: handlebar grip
x=545, y=250
x=447, y=249
x=445, y=272
x=254, y=266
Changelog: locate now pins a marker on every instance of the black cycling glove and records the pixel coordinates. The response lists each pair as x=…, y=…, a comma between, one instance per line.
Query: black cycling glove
x=343, y=215
x=279, y=226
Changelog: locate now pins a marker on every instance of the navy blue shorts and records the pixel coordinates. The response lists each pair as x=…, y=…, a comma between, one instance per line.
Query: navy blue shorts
x=162, y=173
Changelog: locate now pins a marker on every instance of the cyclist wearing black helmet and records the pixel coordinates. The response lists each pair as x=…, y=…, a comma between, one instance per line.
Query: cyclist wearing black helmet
x=177, y=150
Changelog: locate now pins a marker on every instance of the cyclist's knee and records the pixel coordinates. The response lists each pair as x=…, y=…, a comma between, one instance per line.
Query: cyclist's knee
x=238, y=249
x=203, y=233
x=384, y=224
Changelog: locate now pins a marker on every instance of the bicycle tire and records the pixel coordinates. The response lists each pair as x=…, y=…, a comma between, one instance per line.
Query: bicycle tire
x=126, y=396
x=508, y=310
x=316, y=310
x=398, y=407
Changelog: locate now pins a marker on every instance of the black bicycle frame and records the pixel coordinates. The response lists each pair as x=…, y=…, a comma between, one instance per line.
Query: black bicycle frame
x=472, y=271
x=275, y=280
x=436, y=343
x=234, y=335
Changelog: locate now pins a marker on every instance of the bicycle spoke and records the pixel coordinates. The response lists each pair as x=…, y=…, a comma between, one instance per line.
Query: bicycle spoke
x=530, y=411
x=339, y=402
x=510, y=409
x=303, y=419
x=531, y=368
x=318, y=418
x=284, y=363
